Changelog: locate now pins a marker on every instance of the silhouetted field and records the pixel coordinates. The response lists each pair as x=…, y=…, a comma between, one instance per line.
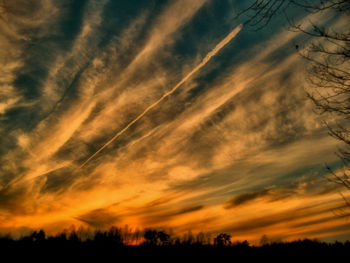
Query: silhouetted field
x=117, y=242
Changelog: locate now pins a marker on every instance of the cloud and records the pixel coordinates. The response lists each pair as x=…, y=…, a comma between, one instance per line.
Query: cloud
x=304, y=186
x=205, y=60
x=99, y=218
x=238, y=137
x=245, y=198
x=166, y=216
x=266, y=221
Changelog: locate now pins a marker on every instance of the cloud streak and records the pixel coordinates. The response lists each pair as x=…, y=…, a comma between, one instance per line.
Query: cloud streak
x=206, y=59
x=209, y=144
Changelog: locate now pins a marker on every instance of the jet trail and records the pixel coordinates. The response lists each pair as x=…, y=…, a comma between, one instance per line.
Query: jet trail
x=205, y=60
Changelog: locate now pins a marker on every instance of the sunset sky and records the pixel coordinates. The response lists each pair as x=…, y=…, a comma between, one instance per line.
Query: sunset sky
x=165, y=114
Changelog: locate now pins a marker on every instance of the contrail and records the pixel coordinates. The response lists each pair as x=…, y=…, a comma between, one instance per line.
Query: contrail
x=205, y=60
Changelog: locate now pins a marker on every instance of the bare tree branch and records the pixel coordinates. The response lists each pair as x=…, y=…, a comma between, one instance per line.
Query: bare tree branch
x=328, y=65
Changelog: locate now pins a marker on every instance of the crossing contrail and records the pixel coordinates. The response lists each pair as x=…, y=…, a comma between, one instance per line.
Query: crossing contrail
x=205, y=60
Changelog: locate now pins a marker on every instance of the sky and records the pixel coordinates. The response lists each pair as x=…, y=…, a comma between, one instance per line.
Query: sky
x=162, y=114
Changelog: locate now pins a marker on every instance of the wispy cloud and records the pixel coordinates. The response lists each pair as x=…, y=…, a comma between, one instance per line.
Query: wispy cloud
x=199, y=136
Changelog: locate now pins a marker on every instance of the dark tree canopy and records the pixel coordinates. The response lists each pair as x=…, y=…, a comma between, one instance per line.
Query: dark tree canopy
x=154, y=237
x=223, y=239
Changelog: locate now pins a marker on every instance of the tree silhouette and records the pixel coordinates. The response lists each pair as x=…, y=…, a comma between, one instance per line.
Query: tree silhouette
x=163, y=237
x=200, y=238
x=103, y=242
x=154, y=237
x=222, y=239
x=151, y=236
x=114, y=236
x=328, y=67
x=38, y=236
x=264, y=241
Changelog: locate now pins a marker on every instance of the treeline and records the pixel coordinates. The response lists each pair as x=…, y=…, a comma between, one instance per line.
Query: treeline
x=118, y=245
x=125, y=237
